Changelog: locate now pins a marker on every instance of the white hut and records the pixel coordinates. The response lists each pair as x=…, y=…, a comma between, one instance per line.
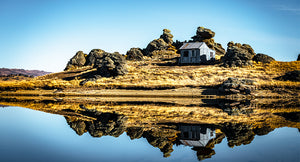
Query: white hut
x=195, y=53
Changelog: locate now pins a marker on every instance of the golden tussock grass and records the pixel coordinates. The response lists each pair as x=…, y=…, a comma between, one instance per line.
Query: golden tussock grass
x=146, y=74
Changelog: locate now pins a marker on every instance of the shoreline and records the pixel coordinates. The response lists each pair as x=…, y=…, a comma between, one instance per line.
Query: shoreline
x=185, y=92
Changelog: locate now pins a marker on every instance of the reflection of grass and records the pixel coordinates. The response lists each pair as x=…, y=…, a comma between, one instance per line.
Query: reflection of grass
x=150, y=114
x=145, y=74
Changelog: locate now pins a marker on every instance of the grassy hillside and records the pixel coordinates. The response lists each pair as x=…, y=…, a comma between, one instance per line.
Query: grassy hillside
x=155, y=75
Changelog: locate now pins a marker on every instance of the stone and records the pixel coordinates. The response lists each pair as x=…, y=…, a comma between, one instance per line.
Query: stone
x=263, y=58
x=76, y=61
x=93, y=55
x=163, y=43
x=156, y=44
x=110, y=64
x=237, y=86
x=238, y=55
x=203, y=33
x=206, y=35
x=290, y=76
x=167, y=36
x=134, y=54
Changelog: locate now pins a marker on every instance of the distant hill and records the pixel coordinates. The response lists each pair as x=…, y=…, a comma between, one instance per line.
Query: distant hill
x=6, y=71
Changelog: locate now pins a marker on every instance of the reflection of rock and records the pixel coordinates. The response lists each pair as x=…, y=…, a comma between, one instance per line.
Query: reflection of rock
x=237, y=107
x=238, y=133
x=78, y=126
x=290, y=76
x=160, y=140
x=237, y=86
x=204, y=153
x=238, y=55
x=135, y=132
x=106, y=124
x=263, y=130
x=293, y=116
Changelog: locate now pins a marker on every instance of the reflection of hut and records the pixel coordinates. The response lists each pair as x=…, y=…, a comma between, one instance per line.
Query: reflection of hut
x=196, y=135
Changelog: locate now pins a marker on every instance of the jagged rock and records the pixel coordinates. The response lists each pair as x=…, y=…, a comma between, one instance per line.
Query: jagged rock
x=134, y=54
x=203, y=33
x=110, y=64
x=76, y=61
x=237, y=86
x=238, y=55
x=290, y=76
x=163, y=43
x=93, y=55
x=167, y=36
x=206, y=35
x=156, y=44
x=263, y=58
x=298, y=59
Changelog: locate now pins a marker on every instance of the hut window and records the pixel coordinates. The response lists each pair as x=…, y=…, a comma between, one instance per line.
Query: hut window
x=186, y=54
x=211, y=54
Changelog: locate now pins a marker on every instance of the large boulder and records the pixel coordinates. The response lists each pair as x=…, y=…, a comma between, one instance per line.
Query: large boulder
x=134, y=54
x=162, y=44
x=290, y=76
x=263, y=58
x=76, y=61
x=238, y=55
x=206, y=35
x=237, y=86
x=167, y=36
x=110, y=64
x=95, y=53
x=202, y=34
x=298, y=59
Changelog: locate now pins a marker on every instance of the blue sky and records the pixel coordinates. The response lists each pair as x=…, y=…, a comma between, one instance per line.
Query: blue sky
x=44, y=35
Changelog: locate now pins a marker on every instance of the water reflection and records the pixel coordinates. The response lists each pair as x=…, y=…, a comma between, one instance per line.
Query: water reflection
x=163, y=124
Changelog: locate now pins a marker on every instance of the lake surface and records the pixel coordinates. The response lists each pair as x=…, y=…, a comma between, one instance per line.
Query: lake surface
x=32, y=135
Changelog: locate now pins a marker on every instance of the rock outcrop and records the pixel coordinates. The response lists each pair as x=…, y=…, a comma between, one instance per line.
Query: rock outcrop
x=110, y=64
x=167, y=36
x=93, y=55
x=237, y=86
x=298, y=59
x=206, y=35
x=107, y=64
x=290, y=76
x=161, y=45
x=76, y=61
x=263, y=58
x=238, y=55
x=134, y=54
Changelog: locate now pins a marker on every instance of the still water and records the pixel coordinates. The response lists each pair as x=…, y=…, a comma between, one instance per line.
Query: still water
x=31, y=135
